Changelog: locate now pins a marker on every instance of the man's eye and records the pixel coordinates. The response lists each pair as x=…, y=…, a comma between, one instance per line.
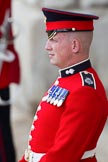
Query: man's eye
x=55, y=39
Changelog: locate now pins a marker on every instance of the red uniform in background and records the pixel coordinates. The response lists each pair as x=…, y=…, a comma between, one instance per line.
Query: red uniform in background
x=9, y=73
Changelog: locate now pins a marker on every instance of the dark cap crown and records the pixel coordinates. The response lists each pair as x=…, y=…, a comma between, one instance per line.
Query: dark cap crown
x=58, y=15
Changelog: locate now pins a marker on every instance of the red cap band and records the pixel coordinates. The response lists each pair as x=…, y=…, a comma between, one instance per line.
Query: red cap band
x=77, y=25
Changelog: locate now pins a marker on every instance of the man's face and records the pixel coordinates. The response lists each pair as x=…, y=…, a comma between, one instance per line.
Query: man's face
x=60, y=50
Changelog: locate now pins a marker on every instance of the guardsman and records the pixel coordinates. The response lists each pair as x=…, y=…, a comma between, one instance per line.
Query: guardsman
x=9, y=73
x=73, y=112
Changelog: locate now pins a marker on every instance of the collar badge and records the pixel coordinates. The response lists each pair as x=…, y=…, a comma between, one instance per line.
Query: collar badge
x=70, y=71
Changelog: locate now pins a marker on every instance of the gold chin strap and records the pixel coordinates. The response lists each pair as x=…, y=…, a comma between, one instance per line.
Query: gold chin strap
x=52, y=35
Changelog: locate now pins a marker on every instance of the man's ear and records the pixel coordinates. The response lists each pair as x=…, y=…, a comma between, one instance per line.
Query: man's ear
x=75, y=45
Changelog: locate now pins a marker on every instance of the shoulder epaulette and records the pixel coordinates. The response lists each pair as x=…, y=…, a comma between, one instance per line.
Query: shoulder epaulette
x=88, y=79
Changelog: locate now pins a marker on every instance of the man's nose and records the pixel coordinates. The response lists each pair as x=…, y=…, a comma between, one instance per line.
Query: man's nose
x=47, y=45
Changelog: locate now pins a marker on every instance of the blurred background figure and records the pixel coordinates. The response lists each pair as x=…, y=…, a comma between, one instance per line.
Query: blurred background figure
x=9, y=73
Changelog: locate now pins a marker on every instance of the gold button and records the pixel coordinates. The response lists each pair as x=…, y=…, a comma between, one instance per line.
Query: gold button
x=32, y=127
x=56, y=82
x=73, y=29
x=35, y=117
x=39, y=108
x=29, y=147
x=30, y=137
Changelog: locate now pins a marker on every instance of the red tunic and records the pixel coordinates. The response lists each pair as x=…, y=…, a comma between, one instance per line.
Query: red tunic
x=10, y=72
x=65, y=131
